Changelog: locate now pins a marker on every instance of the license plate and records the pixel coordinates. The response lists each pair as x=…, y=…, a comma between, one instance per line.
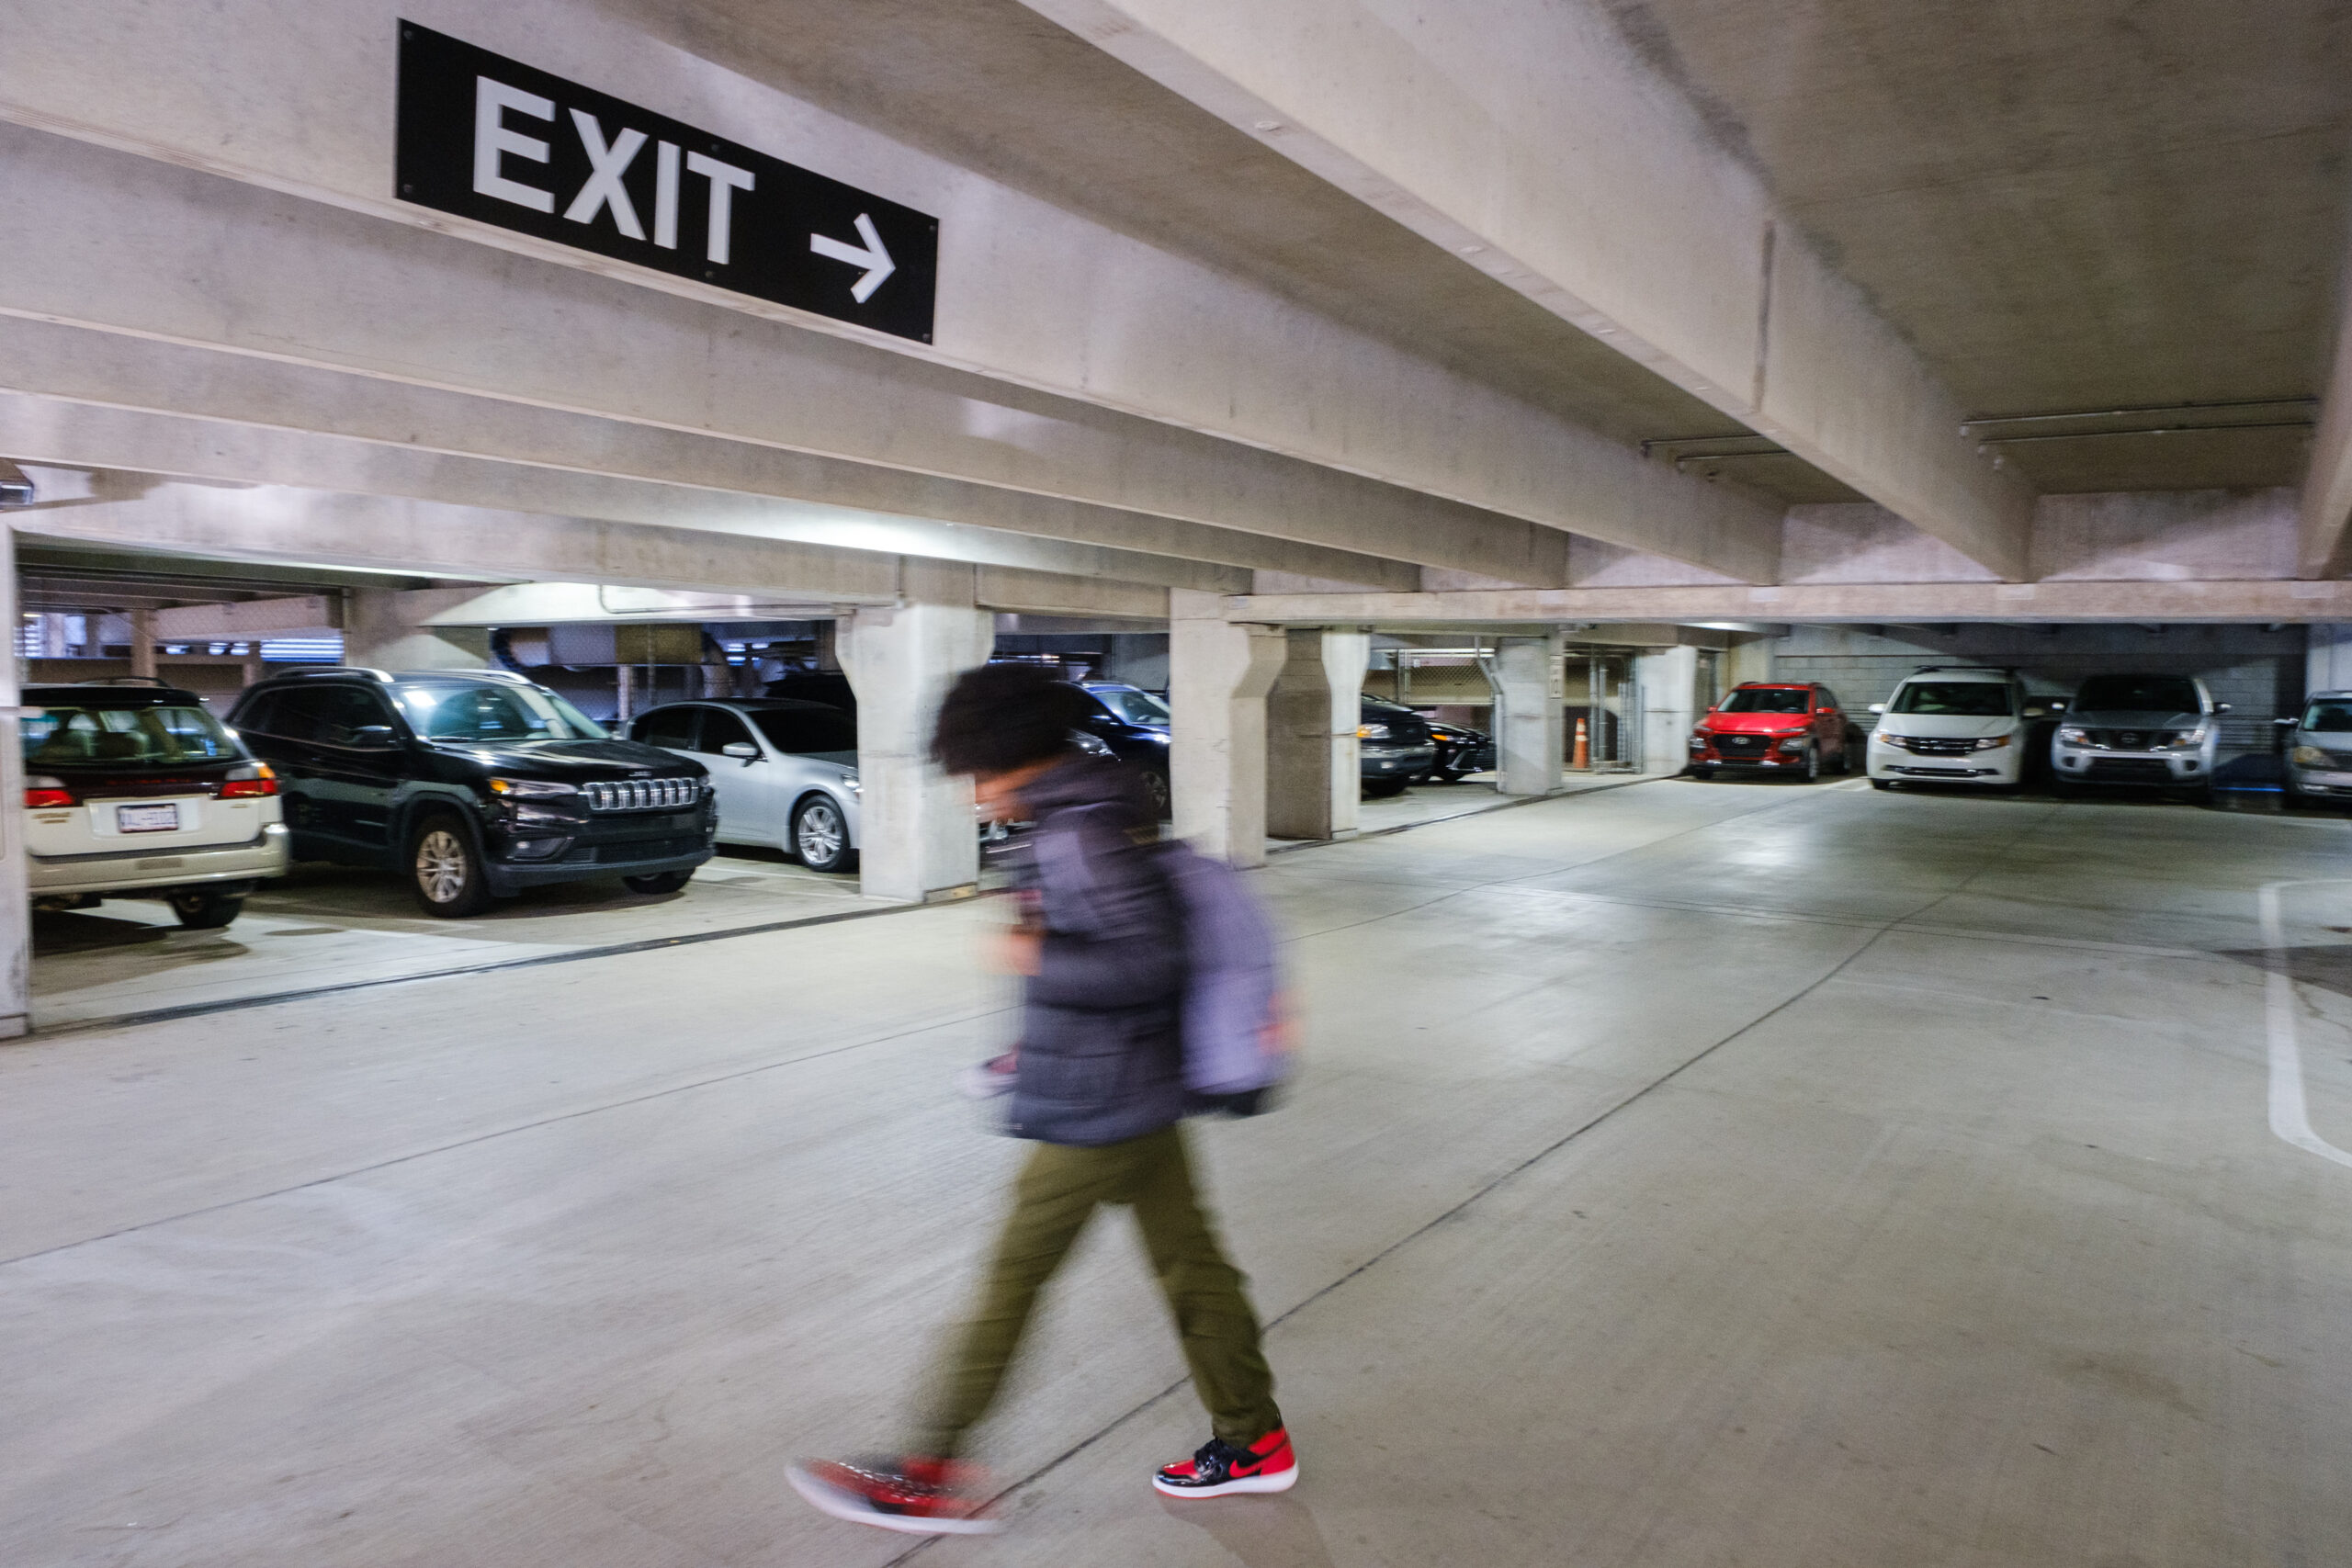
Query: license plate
x=146, y=818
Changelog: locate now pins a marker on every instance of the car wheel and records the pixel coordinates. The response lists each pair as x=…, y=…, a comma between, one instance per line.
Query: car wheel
x=1813, y=764
x=205, y=911
x=1702, y=775
x=1450, y=776
x=444, y=869
x=1154, y=785
x=1381, y=789
x=1882, y=784
x=658, y=881
x=820, y=836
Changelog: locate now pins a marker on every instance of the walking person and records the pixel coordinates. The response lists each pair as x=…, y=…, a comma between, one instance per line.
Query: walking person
x=1098, y=1082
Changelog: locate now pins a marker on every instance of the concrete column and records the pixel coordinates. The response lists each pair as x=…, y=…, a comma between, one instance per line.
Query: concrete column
x=1313, y=784
x=16, y=913
x=142, y=642
x=1532, y=735
x=1219, y=676
x=1667, y=683
x=383, y=629
x=917, y=841
x=2327, y=665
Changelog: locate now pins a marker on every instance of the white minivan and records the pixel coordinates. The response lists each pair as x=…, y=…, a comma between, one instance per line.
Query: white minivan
x=1949, y=724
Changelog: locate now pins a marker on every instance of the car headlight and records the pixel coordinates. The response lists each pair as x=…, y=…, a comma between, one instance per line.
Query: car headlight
x=514, y=787
x=2074, y=735
x=1372, y=732
x=1992, y=742
x=2308, y=756
x=2185, y=740
x=1879, y=738
x=853, y=784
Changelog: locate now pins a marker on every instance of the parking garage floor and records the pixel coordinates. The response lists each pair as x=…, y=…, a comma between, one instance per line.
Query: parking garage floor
x=1684, y=1174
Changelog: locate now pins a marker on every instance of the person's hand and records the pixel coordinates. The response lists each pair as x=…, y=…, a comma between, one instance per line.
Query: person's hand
x=1019, y=950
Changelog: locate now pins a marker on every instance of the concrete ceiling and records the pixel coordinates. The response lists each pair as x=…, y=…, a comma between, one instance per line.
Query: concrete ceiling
x=2067, y=205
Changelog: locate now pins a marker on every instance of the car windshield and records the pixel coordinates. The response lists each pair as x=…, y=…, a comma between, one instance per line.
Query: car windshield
x=1769, y=699
x=1960, y=699
x=1135, y=706
x=464, y=711
x=66, y=735
x=801, y=731
x=2333, y=714
x=2141, y=693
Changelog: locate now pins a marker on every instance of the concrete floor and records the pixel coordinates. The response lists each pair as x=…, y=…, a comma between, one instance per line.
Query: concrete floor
x=1687, y=1174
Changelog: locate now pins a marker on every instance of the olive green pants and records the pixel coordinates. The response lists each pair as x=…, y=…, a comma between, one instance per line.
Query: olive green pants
x=1056, y=1194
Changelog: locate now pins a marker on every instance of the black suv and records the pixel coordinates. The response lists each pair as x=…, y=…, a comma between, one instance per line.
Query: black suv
x=476, y=784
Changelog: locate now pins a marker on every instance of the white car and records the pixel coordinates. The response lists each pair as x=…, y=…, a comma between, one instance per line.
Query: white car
x=1952, y=724
x=785, y=771
x=137, y=791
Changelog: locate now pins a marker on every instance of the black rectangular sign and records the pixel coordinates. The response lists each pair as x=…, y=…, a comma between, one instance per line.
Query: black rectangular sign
x=486, y=138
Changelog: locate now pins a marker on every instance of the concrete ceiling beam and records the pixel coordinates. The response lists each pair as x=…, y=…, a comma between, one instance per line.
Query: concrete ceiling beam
x=1534, y=142
x=1031, y=295
x=774, y=577
x=2264, y=602
x=270, y=422
x=127, y=444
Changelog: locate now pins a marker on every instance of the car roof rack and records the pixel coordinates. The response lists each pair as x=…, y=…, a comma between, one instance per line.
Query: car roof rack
x=113, y=681
x=336, y=673
x=1966, y=669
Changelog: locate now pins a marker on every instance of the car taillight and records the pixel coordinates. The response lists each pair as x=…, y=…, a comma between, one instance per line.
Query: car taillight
x=44, y=791
x=250, y=783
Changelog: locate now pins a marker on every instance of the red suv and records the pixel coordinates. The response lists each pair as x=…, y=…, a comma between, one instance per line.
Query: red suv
x=1792, y=726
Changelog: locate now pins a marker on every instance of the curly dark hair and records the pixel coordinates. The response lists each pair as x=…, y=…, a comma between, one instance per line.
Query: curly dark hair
x=1002, y=716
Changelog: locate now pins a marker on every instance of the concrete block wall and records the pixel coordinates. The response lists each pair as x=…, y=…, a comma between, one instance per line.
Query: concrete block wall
x=2259, y=672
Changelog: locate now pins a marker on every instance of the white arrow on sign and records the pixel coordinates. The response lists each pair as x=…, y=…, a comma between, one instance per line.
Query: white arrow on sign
x=875, y=258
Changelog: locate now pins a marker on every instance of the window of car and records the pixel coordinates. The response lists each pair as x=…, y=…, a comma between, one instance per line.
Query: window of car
x=1828, y=698
x=1769, y=699
x=1135, y=706
x=2145, y=693
x=671, y=726
x=467, y=711
x=721, y=729
x=810, y=731
x=2330, y=714
x=329, y=715
x=1958, y=699
x=67, y=734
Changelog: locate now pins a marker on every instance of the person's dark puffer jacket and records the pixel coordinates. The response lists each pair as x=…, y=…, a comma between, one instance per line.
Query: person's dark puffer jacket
x=1100, y=1052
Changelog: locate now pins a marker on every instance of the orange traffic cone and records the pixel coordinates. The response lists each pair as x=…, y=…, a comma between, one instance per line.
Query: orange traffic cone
x=1583, y=758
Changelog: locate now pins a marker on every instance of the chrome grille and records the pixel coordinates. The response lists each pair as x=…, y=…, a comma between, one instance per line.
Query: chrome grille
x=1937, y=745
x=642, y=795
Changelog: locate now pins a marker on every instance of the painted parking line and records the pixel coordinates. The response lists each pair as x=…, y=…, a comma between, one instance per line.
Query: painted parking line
x=2289, y=1108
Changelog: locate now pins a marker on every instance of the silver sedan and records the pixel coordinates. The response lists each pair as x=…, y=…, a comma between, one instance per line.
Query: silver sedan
x=785, y=771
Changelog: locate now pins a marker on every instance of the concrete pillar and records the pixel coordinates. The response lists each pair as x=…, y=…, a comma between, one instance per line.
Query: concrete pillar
x=142, y=642
x=1219, y=676
x=1313, y=783
x=1531, y=732
x=1668, y=684
x=15, y=912
x=917, y=839
x=2327, y=664
x=383, y=629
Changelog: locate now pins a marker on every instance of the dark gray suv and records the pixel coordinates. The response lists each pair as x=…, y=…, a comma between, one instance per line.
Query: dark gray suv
x=474, y=783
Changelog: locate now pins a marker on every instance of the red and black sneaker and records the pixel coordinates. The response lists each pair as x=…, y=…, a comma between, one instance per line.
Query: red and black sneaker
x=918, y=1496
x=1219, y=1469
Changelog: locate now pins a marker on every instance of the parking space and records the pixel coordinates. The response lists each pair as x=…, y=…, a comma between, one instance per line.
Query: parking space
x=326, y=927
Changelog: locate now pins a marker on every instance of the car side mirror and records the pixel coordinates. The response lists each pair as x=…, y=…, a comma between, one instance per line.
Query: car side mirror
x=2037, y=712
x=374, y=737
x=742, y=749
x=2221, y=707
x=2288, y=723
x=1878, y=708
